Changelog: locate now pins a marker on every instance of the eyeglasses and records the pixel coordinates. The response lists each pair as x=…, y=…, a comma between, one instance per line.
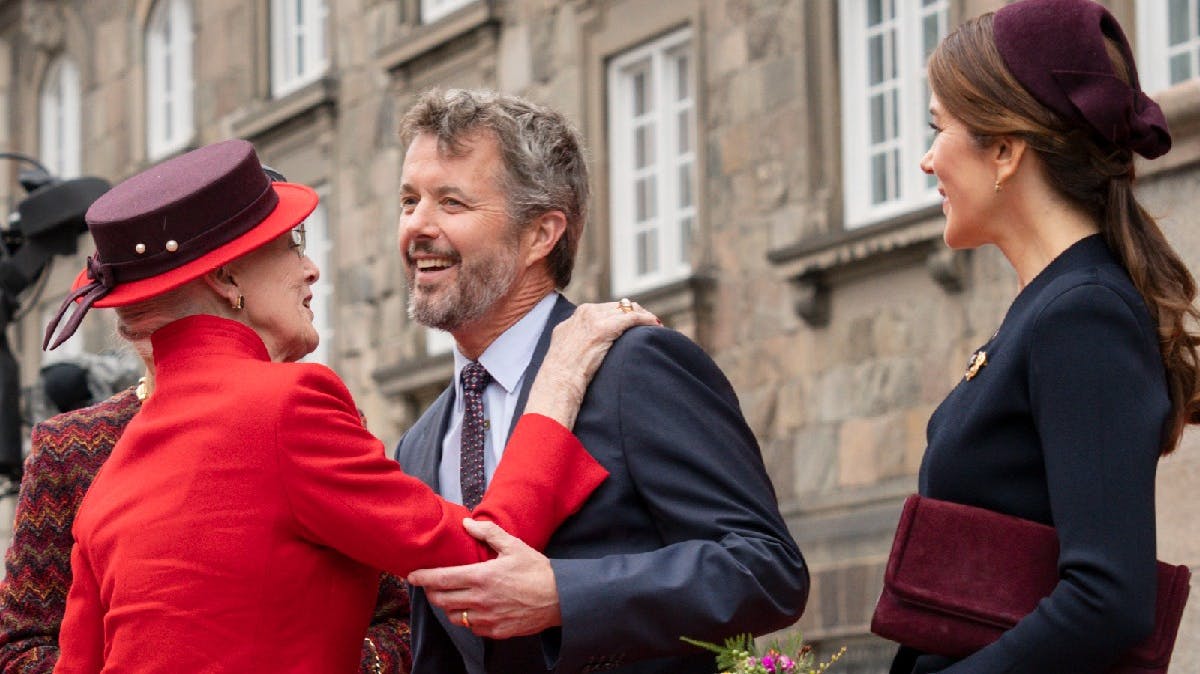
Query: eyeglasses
x=298, y=240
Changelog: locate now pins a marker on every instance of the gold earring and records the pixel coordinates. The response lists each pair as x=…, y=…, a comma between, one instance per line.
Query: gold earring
x=240, y=303
x=997, y=187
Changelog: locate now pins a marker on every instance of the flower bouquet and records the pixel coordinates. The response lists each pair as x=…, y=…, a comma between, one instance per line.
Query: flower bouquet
x=739, y=655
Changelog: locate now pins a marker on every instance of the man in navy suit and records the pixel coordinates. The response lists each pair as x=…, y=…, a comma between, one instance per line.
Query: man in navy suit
x=685, y=537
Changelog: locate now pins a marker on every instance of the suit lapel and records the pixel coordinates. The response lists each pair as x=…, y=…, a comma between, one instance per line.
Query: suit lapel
x=424, y=462
x=563, y=308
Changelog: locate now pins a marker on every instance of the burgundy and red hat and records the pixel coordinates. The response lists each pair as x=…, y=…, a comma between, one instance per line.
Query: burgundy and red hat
x=1055, y=49
x=177, y=221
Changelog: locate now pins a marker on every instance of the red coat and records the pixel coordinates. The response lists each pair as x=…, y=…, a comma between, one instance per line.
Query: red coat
x=241, y=521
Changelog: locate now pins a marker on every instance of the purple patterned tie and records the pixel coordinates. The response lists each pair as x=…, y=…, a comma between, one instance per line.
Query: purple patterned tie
x=474, y=379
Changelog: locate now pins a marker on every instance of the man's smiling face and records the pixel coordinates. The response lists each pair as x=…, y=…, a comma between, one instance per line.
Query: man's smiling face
x=460, y=251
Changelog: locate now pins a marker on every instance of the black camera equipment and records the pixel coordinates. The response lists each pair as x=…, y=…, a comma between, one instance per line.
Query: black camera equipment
x=46, y=223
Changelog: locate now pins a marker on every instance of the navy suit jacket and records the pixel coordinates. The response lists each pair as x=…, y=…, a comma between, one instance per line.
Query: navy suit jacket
x=685, y=537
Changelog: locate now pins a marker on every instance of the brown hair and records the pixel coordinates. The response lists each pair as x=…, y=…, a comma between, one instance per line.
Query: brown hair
x=544, y=164
x=973, y=84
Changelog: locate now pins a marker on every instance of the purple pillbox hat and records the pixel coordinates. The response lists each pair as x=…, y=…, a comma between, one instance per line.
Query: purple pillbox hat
x=1055, y=49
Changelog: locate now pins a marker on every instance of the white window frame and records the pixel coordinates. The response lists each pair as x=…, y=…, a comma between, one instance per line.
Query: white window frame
x=433, y=10
x=670, y=225
x=299, y=44
x=59, y=115
x=1154, y=49
x=907, y=188
x=169, y=85
x=320, y=249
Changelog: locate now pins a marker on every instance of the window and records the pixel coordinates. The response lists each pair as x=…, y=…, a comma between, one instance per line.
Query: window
x=432, y=10
x=885, y=104
x=59, y=113
x=298, y=53
x=319, y=247
x=168, y=77
x=1166, y=62
x=652, y=152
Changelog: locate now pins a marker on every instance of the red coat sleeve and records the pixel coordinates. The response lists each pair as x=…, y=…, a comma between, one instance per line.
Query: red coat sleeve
x=345, y=493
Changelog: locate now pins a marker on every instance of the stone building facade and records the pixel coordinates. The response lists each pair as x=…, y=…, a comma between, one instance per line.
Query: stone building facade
x=756, y=185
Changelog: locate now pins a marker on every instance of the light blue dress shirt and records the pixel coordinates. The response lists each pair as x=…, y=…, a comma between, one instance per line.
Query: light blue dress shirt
x=506, y=360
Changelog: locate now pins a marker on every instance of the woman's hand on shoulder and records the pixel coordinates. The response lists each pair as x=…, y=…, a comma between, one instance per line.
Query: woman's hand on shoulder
x=577, y=348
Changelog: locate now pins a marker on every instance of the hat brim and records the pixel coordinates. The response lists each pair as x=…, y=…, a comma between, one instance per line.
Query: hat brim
x=296, y=202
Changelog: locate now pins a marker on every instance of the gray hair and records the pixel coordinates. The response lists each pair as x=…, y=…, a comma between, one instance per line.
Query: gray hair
x=141, y=319
x=544, y=163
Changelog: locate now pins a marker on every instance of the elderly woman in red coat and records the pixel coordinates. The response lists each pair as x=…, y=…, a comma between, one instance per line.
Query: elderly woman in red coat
x=242, y=519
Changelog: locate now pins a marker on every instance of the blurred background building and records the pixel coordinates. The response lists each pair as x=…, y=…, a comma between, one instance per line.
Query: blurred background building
x=756, y=185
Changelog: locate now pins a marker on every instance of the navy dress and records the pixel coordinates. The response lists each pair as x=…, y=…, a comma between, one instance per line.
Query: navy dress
x=1063, y=425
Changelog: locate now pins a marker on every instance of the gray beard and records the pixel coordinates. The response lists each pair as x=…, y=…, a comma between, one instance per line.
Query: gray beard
x=477, y=289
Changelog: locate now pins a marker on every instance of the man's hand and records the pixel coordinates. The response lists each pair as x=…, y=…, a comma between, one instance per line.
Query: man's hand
x=510, y=596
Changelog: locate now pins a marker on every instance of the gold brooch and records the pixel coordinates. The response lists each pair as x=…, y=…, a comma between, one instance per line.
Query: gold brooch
x=978, y=360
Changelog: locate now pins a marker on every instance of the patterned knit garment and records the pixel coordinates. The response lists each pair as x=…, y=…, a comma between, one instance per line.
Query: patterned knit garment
x=67, y=451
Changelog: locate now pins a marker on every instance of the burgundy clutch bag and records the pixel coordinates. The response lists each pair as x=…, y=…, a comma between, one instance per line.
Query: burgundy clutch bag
x=960, y=576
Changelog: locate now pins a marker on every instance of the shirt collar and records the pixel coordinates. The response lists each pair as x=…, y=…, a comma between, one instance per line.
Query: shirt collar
x=509, y=354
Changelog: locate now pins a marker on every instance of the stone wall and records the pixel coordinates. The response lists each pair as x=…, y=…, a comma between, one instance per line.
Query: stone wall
x=839, y=342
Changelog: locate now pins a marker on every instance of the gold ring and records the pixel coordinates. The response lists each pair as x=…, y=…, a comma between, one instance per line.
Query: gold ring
x=625, y=305
x=466, y=623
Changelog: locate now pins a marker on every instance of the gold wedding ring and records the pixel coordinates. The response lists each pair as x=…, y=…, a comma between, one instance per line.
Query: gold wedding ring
x=625, y=305
x=466, y=623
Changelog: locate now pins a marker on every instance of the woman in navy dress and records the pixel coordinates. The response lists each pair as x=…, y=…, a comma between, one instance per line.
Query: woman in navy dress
x=1062, y=415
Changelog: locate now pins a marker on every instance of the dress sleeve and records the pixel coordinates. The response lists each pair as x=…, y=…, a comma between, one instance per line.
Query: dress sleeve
x=389, y=650
x=345, y=493
x=1099, y=402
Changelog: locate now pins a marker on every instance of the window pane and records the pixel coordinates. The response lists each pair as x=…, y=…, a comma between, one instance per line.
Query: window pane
x=875, y=60
x=643, y=146
x=641, y=94
x=1177, y=24
x=1181, y=67
x=930, y=33
x=685, y=239
x=884, y=117
x=645, y=206
x=685, y=184
x=685, y=131
x=878, y=179
x=647, y=252
x=878, y=119
x=894, y=188
x=682, y=82
x=874, y=12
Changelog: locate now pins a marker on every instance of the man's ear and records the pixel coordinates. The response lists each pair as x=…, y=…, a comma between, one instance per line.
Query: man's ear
x=1007, y=154
x=221, y=281
x=543, y=234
